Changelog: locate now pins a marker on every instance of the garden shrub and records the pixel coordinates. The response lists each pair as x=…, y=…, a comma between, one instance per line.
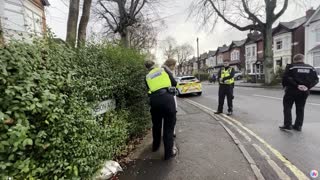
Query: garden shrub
x=47, y=93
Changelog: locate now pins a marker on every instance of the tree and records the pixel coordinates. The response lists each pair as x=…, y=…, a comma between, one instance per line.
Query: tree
x=168, y=46
x=1, y=35
x=72, y=25
x=72, y=22
x=119, y=15
x=183, y=52
x=82, y=31
x=256, y=15
x=142, y=36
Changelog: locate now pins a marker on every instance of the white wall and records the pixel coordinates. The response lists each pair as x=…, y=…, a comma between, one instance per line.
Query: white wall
x=310, y=38
x=20, y=18
x=286, y=52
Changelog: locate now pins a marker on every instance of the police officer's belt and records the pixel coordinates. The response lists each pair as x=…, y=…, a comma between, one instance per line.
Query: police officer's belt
x=159, y=92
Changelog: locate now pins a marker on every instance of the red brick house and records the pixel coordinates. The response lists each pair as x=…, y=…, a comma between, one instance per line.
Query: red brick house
x=237, y=54
x=289, y=40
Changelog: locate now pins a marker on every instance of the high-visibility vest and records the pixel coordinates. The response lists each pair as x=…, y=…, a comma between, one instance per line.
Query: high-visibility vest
x=226, y=73
x=157, y=79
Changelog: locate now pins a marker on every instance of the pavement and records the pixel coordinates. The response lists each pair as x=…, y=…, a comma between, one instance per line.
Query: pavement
x=205, y=151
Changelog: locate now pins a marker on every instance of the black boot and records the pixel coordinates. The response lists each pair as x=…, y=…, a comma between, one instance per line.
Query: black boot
x=285, y=127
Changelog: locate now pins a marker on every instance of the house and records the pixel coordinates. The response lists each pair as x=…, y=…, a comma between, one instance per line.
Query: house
x=288, y=40
x=222, y=54
x=254, y=55
x=211, y=62
x=237, y=54
x=21, y=18
x=202, y=60
x=312, y=39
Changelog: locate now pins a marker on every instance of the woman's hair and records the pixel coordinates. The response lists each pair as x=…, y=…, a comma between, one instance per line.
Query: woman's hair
x=170, y=62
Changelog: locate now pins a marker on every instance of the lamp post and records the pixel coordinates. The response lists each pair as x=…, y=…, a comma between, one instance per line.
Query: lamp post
x=198, y=59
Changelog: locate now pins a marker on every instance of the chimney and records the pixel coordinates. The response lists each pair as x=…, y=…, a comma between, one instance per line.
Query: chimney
x=310, y=12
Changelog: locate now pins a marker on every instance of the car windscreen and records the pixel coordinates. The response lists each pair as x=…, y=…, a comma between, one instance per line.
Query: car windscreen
x=188, y=79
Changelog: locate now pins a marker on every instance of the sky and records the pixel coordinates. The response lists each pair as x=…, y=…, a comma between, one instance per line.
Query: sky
x=185, y=30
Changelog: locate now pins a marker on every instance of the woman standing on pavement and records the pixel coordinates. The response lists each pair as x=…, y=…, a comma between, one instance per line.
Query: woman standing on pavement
x=170, y=65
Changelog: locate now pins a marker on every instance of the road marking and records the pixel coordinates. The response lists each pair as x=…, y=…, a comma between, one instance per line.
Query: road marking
x=270, y=97
x=297, y=172
x=281, y=174
x=239, y=130
x=245, y=153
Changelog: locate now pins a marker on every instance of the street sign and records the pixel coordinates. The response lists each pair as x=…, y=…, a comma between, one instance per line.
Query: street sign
x=104, y=107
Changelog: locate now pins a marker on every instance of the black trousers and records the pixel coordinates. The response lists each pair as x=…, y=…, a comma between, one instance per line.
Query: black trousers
x=299, y=98
x=163, y=108
x=225, y=90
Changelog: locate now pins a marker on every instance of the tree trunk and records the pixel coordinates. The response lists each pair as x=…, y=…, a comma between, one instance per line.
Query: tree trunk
x=1, y=35
x=82, y=31
x=268, y=54
x=124, y=38
x=72, y=22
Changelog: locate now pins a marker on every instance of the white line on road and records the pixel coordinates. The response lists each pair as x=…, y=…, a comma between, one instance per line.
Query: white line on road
x=270, y=97
x=281, y=174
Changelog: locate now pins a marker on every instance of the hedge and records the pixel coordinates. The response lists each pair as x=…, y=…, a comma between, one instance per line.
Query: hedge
x=47, y=93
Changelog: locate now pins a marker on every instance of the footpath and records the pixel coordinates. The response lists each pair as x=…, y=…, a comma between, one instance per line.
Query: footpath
x=206, y=151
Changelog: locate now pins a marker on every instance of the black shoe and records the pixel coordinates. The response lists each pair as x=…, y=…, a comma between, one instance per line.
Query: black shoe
x=155, y=148
x=217, y=112
x=297, y=128
x=174, y=154
x=229, y=113
x=285, y=127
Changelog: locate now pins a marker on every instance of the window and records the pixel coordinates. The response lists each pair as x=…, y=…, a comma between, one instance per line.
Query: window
x=235, y=55
x=33, y=21
x=279, y=44
x=248, y=51
x=317, y=31
x=316, y=59
x=253, y=51
x=279, y=63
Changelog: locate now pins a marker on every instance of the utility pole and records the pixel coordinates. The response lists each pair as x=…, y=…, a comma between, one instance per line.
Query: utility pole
x=198, y=59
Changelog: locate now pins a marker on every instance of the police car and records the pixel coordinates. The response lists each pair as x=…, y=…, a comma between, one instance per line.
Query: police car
x=188, y=85
x=317, y=87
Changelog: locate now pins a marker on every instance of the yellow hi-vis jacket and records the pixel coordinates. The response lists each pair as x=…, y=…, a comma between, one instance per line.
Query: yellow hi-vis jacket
x=157, y=79
x=226, y=73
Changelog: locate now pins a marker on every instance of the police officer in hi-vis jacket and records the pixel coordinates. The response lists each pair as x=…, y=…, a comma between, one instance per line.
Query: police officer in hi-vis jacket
x=163, y=107
x=226, y=84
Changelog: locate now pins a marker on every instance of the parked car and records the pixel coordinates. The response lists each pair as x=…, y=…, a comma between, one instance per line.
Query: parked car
x=188, y=85
x=238, y=75
x=317, y=87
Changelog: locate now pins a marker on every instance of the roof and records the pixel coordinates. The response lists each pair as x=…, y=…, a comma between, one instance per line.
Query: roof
x=295, y=23
x=212, y=53
x=204, y=56
x=224, y=48
x=45, y=2
x=253, y=38
x=239, y=43
x=314, y=14
x=315, y=48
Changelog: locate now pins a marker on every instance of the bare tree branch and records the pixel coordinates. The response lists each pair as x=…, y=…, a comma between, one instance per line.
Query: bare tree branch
x=285, y=6
x=244, y=28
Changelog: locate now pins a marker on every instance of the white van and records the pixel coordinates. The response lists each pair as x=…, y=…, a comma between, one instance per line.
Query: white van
x=317, y=87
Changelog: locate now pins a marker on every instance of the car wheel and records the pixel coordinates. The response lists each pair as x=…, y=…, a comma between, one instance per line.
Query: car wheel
x=199, y=93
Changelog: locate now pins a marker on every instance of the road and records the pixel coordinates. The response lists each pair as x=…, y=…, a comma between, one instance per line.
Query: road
x=260, y=110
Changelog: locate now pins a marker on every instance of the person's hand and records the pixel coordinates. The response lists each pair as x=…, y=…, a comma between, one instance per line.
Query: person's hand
x=302, y=88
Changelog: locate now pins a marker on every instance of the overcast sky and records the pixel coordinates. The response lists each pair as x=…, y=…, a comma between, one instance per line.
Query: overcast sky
x=178, y=25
